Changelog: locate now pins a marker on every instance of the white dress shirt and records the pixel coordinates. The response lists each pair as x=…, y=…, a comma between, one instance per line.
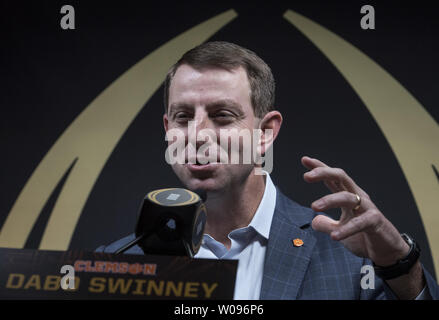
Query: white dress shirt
x=248, y=246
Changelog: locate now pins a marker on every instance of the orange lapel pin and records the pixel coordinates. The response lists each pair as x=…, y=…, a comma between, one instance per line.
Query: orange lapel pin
x=298, y=242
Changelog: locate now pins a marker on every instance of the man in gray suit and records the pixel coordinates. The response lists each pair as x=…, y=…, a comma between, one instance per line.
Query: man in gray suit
x=285, y=251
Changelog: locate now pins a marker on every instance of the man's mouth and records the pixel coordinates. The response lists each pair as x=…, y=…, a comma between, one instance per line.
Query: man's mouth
x=201, y=165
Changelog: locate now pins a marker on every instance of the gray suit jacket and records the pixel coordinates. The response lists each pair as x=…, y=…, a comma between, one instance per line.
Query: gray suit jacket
x=319, y=269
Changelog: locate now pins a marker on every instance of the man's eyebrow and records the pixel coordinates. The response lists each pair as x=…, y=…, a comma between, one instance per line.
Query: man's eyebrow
x=178, y=105
x=217, y=103
x=225, y=103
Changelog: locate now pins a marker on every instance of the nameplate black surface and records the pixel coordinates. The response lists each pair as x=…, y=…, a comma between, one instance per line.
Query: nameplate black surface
x=36, y=274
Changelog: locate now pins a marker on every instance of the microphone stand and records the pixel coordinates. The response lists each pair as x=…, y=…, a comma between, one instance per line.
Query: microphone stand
x=130, y=244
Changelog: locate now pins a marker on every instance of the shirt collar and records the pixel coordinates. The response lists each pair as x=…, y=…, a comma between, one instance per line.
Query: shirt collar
x=261, y=221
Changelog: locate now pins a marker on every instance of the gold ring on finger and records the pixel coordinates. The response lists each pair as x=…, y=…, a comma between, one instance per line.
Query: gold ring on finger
x=357, y=206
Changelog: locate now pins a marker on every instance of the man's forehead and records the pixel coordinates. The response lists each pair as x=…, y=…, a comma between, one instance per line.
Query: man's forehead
x=208, y=86
x=187, y=76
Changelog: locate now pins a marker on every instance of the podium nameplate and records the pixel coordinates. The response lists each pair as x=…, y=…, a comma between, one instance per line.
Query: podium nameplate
x=38, y=274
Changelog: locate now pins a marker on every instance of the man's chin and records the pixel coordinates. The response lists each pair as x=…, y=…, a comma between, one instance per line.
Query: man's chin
x=204, y=178
x=207, y=185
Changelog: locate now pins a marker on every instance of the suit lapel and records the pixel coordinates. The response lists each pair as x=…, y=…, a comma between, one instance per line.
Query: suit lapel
x=286, y=264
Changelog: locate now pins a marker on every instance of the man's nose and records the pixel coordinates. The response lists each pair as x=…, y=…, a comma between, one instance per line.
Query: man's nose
x=201, y=122
x=201, y=119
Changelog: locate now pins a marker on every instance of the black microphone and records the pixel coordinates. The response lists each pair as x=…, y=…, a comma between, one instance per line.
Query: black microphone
x=170, y=222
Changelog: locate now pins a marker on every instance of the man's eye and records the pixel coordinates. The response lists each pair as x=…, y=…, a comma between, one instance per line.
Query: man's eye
x=223, y=115
x=182, y=116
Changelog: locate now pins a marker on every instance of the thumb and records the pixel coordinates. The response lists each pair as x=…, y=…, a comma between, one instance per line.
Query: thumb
x=324, y=224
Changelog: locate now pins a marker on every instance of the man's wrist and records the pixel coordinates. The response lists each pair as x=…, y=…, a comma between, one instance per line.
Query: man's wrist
x=403, y=265
x=395, y=257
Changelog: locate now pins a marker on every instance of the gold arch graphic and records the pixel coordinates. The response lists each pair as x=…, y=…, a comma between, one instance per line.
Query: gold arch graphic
x=410, y=130
x=90, y=139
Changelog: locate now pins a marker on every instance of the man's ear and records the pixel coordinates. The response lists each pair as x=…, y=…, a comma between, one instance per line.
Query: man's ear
x=271, y=122
x=165, y=122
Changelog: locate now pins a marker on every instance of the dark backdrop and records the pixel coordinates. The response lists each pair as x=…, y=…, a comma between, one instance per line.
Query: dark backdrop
x=48, y=76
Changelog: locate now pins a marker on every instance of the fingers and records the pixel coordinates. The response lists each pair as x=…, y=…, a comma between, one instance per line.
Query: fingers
x=311, y=163
x=365, y=222
x=324, y=224
x=341, y=199
x=335, y=179
x=327, y=174
x=346, y=195
x=362, y=223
